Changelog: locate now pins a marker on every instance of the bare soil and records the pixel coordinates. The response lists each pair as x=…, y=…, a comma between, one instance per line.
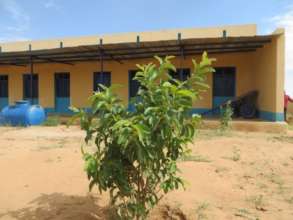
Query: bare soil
x=232, y=176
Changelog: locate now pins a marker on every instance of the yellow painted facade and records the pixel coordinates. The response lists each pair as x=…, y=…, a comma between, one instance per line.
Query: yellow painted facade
x=262, y=70
x=269, y=63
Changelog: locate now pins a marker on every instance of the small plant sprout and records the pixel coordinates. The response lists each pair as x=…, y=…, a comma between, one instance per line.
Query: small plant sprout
x=258, y=202
x=195, y=158
x=137, y=151
x=246, y=214
x=235, y=155
x=201, y=211
x=52, y=121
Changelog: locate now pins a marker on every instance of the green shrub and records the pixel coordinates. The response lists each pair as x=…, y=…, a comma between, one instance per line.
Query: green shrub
x=136, y=152
x=226, y=117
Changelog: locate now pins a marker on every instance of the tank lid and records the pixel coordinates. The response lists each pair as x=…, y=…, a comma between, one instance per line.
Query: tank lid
x=22, y=102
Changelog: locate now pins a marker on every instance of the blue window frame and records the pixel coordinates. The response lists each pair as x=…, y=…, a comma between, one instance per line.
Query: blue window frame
x=103, y=78
x=30, y=90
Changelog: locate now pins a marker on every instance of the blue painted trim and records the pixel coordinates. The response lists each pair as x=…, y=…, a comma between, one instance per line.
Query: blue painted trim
x=199, y=110
x=3, y=103
x=62, y=105
x=34, y=101
x=53, y=111
x=265, y=115
x=271, y=116
x=49, y=110
x=219, y=100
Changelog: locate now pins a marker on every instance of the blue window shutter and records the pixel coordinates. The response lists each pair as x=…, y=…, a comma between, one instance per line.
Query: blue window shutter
x=224, y=81
x=29, y=92
x=103, y=78
x=107, y=79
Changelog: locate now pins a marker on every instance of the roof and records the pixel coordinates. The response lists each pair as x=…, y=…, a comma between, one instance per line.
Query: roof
x=180, y=42
x=125, y=51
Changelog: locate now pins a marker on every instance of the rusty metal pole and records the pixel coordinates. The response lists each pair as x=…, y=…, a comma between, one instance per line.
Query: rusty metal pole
x=31, y=74
x=101, y=60
x=181, y=55
x=31, y=78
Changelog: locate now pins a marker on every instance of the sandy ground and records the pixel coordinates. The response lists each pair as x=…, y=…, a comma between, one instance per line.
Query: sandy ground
x=232, y=176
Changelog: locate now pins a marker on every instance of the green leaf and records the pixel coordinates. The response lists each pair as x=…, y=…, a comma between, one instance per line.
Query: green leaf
x=185, y=92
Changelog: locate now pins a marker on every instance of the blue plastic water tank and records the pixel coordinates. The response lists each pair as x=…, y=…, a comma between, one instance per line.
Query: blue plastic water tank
x=23, y=114
x=36, y=115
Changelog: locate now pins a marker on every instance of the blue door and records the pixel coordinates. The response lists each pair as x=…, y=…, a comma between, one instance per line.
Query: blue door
x=3, y=91
x=224, y=85
x=62, y=93
x=31, y=88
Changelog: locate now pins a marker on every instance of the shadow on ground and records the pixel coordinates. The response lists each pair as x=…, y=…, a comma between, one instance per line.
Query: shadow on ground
x=59, y=206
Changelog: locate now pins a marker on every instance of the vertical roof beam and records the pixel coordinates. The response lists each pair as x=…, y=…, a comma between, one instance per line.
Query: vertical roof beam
x=181, y=48
x=31, y=77
x=101, y=56
x=224, y=33
x=137, y=40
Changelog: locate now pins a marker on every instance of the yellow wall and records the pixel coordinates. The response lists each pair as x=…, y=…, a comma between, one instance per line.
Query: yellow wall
x=269, y=74
x=81, y=78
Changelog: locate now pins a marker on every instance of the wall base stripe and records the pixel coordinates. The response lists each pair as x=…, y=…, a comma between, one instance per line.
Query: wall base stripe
x=265, y=115
x=271, y=116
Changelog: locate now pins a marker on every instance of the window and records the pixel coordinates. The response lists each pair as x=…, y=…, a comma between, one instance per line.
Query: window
x=3, y=86
x=180, y=74
x=103, y=78
x=133, y=84
x=30, y=88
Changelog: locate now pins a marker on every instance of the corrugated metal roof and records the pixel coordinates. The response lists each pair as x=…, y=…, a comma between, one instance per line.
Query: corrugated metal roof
x=132, y=50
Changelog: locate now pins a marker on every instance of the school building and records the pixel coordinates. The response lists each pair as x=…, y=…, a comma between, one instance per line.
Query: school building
x=63, y=72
